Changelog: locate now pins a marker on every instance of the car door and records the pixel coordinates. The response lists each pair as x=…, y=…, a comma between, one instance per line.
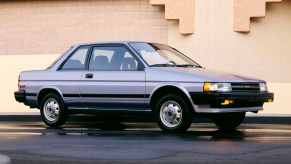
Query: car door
x=114, y=80
x=68, y=77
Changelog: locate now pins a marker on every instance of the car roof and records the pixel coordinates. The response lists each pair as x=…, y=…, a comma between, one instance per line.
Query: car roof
x=110, y=42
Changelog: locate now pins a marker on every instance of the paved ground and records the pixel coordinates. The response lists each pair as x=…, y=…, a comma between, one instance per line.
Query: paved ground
x=90, y=142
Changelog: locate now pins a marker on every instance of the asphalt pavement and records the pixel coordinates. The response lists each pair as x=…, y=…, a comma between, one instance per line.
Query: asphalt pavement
x=257, y=140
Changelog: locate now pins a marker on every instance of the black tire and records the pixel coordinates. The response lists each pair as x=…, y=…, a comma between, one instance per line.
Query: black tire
x=178, y=108
x=52, y=104
x=228, y=120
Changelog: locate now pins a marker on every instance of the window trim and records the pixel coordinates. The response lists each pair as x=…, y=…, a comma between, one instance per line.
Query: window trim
x=60, y=68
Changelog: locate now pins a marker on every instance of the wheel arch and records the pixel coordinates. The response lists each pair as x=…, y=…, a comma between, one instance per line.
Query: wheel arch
x=44, y=91
x=170, y=89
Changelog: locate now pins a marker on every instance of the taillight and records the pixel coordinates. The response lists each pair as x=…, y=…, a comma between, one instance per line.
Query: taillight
x=20, y=86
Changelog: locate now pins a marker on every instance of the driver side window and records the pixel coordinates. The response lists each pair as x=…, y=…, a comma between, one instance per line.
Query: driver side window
x=112, y=59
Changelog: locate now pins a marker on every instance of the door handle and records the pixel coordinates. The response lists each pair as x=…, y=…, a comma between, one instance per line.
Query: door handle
x=89, y=76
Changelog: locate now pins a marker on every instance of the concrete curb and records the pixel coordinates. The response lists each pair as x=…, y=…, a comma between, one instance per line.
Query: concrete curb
x=86, y=118
x=4, y=159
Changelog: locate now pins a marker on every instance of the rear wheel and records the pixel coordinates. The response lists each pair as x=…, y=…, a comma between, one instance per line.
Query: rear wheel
x=53, y=112
x=228, y=120
x=172, y=113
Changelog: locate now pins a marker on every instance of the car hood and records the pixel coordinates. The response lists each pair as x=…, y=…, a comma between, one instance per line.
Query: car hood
x=198, y=75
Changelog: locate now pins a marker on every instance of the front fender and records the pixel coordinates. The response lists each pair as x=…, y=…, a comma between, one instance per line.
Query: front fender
x=176, y=85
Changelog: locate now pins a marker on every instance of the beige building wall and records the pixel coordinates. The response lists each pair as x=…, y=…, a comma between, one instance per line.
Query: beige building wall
x=11, y=66
x=51, y=26
x=265, y=52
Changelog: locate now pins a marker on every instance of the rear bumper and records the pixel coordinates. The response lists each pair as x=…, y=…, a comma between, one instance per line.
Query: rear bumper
x=20, y=96
x=213, y=102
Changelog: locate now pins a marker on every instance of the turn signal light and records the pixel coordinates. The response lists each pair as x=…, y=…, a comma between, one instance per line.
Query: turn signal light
x=270, y=100
x=227, y=102
x=206, y=86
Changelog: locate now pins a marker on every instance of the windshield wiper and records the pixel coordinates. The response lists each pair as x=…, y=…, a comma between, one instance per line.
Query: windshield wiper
x=174, y=65
x=162, y=65
x=190, y=65
x=186, y=65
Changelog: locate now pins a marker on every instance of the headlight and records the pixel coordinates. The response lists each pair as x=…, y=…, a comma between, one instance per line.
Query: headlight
x=221, y=87
x=263, y=87
x=224, y=87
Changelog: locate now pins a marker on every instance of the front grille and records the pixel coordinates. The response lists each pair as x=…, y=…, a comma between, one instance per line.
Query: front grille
x=245, y=86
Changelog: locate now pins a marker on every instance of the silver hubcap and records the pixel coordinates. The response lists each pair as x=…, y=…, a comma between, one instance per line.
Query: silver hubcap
x=171, y=114
x=51, y=110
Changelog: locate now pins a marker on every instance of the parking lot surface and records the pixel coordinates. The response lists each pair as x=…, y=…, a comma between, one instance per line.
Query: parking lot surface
x=27, y=141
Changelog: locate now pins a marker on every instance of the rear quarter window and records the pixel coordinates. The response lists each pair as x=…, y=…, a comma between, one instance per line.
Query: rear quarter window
x=77, y=60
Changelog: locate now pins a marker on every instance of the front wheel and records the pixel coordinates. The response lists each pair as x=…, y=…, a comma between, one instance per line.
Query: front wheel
x=53, y=112
x=173, y=114
x=228, y=120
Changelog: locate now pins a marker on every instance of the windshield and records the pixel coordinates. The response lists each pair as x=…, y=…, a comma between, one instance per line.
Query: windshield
x=158, y=55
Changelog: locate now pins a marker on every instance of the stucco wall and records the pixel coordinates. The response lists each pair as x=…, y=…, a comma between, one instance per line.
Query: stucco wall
x=265, y=52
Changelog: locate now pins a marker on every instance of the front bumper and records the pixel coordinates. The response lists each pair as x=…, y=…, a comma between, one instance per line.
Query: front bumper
x=237, y=99
x=20, y=96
